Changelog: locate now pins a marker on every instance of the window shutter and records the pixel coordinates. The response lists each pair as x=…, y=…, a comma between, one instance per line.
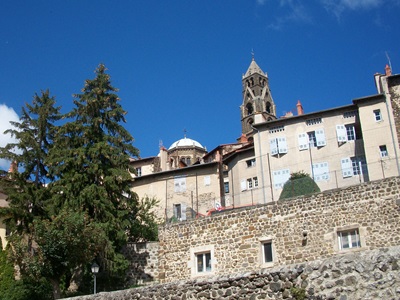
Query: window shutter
x=341, y=133
x=243, y=185
x=273, y=144
x=347, y=168
x=303, y=141
x=321, y=171
x=282, y=145
x=183, y=211
x=320, y=136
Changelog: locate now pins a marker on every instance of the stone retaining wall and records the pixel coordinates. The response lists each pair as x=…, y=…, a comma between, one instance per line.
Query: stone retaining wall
x=301, y=229
x=143, y=257
x=366, y=275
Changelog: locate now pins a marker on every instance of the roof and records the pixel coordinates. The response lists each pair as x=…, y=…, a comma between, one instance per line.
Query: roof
x=185, y=142
x=254, y=68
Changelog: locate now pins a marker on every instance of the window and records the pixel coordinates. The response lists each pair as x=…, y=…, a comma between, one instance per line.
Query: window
x=138, y=172
x=180, y=211
x=276, y=129
x=352, y=166
x=349, y=114
x=252, y=183
x=349, y=239
x=312, y=140
x=313, y=121
x=350, y=132
x=251, y=162
x=267, y=252
x=226, y=187
x=207, y=180
x=383, y=151
x=378, y=115
x=203, y=262
x=249, y=183
x=278, y=145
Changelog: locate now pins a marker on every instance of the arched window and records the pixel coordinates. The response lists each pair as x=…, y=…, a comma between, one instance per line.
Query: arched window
x=249, y=108
x=268, y=107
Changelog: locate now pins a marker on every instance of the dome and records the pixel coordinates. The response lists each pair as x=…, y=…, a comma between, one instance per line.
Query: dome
x=186, y=142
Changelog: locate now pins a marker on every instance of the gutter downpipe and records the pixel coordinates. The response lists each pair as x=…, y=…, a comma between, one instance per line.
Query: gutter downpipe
x=261, y=165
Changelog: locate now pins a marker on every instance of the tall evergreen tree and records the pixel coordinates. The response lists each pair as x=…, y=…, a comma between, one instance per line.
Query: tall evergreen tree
x=91, y=162
x=34, y=135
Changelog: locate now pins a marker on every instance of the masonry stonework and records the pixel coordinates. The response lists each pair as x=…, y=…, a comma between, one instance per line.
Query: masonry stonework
x=366, y=275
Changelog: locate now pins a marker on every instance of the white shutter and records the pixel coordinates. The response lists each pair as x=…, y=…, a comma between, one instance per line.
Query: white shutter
x=282, y=145
x=320, y=137
x=183, y=211
x=321, y=171
x=341, y=133
x=347, y=167
x=280, y=178
x=273, y=146
x=243, y=185
x=207, y=180
x=303, y=141
x=277, y=180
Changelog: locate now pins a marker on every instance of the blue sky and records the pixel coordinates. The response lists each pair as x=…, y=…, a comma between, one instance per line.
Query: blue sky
x=178, y=64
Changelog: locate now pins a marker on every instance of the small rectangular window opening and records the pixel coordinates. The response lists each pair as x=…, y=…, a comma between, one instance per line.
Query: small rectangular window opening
x=267, y=252
x=349, y=239
x=203, y=262
x=378, y=115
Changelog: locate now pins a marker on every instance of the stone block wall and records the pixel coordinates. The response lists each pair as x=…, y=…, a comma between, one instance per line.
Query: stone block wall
x=302, y=229
x=366, y=275
x=143, y=267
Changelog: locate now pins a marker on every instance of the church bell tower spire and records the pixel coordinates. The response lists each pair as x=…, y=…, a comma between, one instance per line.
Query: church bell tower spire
x=257, y=100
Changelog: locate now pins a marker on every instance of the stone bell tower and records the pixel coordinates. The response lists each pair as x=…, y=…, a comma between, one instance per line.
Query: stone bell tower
x=257, y=105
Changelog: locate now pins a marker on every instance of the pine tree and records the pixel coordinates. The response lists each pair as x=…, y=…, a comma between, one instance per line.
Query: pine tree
x=34, y=135
x=91, y=162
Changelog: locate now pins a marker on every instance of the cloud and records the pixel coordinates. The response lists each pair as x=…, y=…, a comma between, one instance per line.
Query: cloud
x=296, y=12
x=337, y=7
x=7, y=114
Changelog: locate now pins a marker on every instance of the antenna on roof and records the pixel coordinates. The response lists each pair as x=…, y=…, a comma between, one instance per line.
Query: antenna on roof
x=388, y=58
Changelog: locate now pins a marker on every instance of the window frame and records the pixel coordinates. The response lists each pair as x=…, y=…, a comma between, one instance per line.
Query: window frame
x=193, y=262
x=383, y=151
x=226, y=187
x=251, y=163
x=346, y=235
x=378, y=115
x=350, y=132
x=206, y=264
x=265, y=263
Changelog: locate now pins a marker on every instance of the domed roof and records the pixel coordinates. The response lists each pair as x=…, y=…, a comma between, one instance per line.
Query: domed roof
x=186, y=142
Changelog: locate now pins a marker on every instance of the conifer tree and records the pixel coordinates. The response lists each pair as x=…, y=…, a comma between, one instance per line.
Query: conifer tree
x=91, y=162
x=34, y=135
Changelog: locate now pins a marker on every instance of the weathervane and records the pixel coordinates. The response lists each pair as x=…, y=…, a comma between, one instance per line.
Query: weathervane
x=252, y=54
x=184, y=132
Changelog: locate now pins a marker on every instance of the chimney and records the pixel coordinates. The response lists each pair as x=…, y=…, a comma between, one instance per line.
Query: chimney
x=300, y=110
x=388, y=71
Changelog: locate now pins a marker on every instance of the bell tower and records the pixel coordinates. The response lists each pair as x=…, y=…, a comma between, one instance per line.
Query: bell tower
x=257, y=105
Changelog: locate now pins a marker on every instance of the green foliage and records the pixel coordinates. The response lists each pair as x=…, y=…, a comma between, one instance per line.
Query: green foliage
x=299, y=183
x=298, y=293
x=71, y=203
x=12, y=289
x=145, y=225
